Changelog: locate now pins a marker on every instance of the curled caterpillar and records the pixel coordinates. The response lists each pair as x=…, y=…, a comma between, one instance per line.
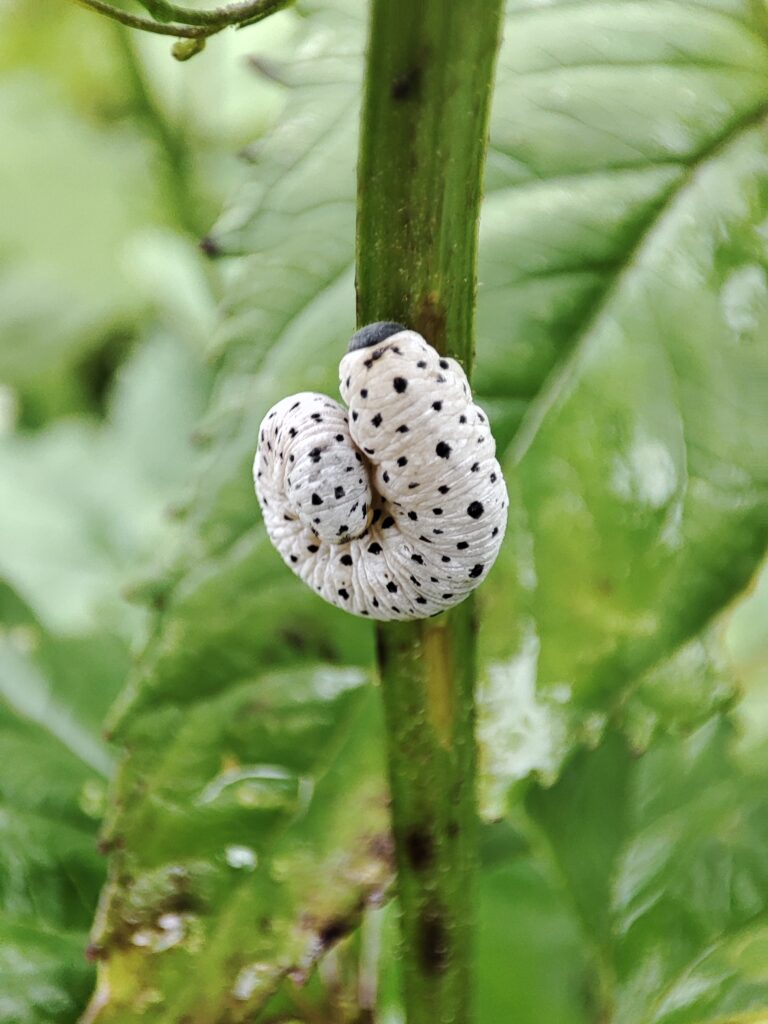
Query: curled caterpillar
x=396, y=508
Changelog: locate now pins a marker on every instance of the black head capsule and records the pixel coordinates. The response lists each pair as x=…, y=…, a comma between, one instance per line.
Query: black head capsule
x=373, y=334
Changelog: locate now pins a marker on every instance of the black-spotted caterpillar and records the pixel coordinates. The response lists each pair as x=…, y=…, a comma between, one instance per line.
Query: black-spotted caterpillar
x=395, y=509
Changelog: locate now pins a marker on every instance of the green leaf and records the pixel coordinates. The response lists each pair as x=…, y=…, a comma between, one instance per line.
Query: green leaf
x=746, y=642
x=638, y=481
x=647, y=444
x=83, y=509
x=530, y=960
x=662, y=857
x=61, y=299
x=84, y=506
x=43, y=974
x=109, y=176
x=250, y=832
x=52, y=793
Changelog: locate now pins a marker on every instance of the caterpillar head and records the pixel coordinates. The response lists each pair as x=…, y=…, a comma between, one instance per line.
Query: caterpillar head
x=372, y=334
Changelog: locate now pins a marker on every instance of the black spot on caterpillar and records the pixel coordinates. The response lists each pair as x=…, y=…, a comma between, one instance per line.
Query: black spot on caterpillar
x=365, y=539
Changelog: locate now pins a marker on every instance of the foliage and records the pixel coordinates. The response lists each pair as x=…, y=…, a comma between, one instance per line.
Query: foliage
x=622, y=321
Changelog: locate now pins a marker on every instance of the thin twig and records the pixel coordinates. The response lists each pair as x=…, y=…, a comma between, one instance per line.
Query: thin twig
x=189, y=23
x=135, y=21
x=244, y=12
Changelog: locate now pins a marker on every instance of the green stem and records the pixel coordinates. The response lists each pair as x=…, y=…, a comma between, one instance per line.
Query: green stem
x=136, y=21
x=424, y=134
x=240, y=13
x=190, y=23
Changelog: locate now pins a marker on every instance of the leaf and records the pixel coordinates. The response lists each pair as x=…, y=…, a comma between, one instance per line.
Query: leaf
x=638, y=481
x=241, y=846
x=52, y=792
x=83, y=508
x=85, y=504
x=662, y=856
x=530, y=959
x=43, y=975
x=746, y=644
x=110, y=177
x=61, y=297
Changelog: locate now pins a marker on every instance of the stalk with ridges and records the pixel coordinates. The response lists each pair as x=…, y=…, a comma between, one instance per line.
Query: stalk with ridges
x=429, y=75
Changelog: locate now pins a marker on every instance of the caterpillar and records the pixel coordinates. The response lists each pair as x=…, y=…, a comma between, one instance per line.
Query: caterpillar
x=394, y=508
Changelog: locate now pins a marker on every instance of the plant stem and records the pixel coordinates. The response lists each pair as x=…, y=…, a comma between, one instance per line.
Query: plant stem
x=427, y=92
x=190, y=23
x=136, y=21
x=244, y=12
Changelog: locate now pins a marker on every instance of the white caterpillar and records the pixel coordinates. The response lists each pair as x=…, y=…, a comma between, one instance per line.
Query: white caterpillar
x=396, y=509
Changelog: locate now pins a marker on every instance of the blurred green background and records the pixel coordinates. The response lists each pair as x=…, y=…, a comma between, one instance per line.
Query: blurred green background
x=239, y=802
x=114, y=161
